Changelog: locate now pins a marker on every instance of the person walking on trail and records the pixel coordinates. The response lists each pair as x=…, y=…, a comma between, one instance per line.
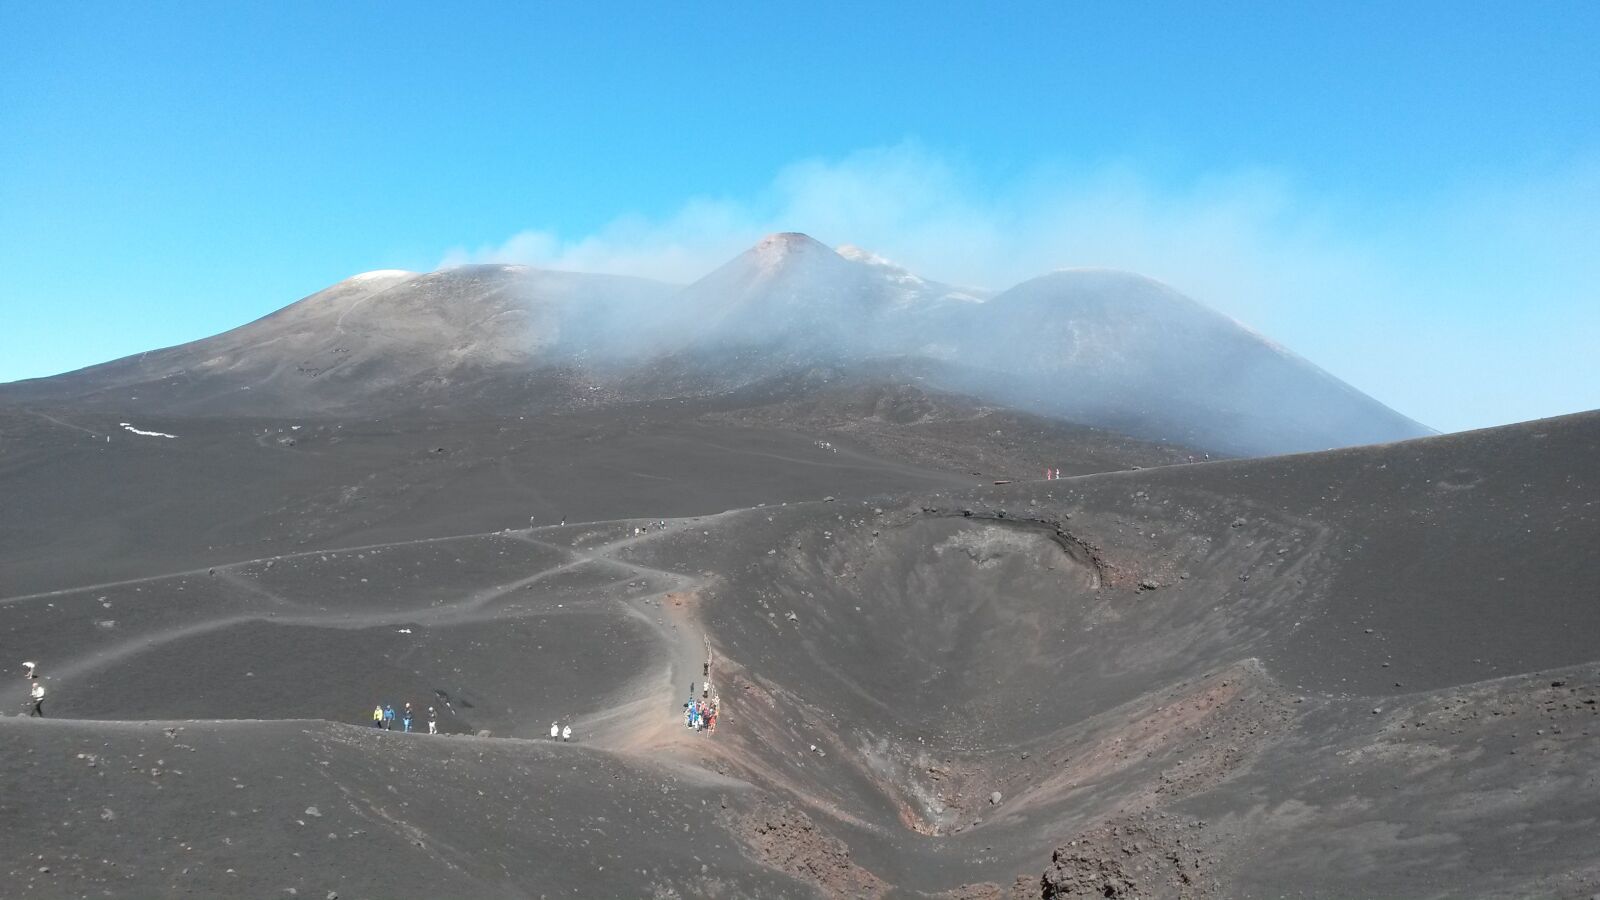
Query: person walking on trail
x=388, y=718
x=377, y=716
x=405, y=719
x=555, y=731
x=566, y=733
x=38, y=700
x=433, y=721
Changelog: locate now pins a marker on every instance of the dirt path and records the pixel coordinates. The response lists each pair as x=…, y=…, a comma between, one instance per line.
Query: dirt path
x=647, y=715
x=51, y=418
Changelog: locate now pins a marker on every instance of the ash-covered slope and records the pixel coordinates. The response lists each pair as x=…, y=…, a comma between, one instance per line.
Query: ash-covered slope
x=1358, y=673
x=379, y=342
x=1129, y=353
x=316, y=810
x=88, y=500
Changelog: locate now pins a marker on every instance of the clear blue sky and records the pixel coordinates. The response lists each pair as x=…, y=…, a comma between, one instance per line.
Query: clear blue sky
x=168, y=171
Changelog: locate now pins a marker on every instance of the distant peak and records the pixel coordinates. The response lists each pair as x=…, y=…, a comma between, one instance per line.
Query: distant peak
x=785, y=242
x=788, y=239
x=780, y=250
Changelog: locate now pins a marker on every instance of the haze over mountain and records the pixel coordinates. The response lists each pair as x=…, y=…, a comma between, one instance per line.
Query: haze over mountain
x=1096, y=347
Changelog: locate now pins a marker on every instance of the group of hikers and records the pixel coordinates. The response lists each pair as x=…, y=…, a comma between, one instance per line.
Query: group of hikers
x=700, y=713
x=383, y=717
x=30, y=672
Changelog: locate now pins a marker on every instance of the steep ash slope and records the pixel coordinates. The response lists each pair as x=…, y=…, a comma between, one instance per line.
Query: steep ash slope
x=469, y=337
x=1129, y=353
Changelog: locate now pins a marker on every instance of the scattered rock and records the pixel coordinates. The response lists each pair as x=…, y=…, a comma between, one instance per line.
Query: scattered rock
x=995, y=798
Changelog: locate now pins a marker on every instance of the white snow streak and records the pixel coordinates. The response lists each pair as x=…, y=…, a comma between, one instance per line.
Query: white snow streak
x=146, y=433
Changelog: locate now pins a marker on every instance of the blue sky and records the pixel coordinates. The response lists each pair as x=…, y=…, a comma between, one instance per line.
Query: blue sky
x=1407, y=194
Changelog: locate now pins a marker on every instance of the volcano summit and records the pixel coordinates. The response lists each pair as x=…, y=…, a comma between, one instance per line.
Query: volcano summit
x=993, y=595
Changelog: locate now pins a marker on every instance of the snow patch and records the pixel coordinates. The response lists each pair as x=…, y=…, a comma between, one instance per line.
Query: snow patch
x=912, y=288
x=383, y=275
x=146, y=433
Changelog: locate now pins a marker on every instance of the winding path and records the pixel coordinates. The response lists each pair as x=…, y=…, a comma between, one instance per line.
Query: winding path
x=641, y=718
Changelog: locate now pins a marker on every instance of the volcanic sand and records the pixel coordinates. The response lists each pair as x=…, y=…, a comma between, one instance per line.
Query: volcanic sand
x=1367, y=672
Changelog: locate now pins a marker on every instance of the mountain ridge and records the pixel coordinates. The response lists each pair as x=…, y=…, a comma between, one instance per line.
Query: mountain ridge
x=1091, y=345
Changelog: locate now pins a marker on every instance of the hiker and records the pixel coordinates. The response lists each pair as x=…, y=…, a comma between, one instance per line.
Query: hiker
x=377, y=716
x=433, y=721
x=405, y=719
x=30, y=674
x=566, y=733
x=388, y=717
x=555, y=731
x=38, y=700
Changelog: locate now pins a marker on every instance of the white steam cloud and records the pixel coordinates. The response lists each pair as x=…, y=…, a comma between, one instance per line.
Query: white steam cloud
x=1476, y=306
